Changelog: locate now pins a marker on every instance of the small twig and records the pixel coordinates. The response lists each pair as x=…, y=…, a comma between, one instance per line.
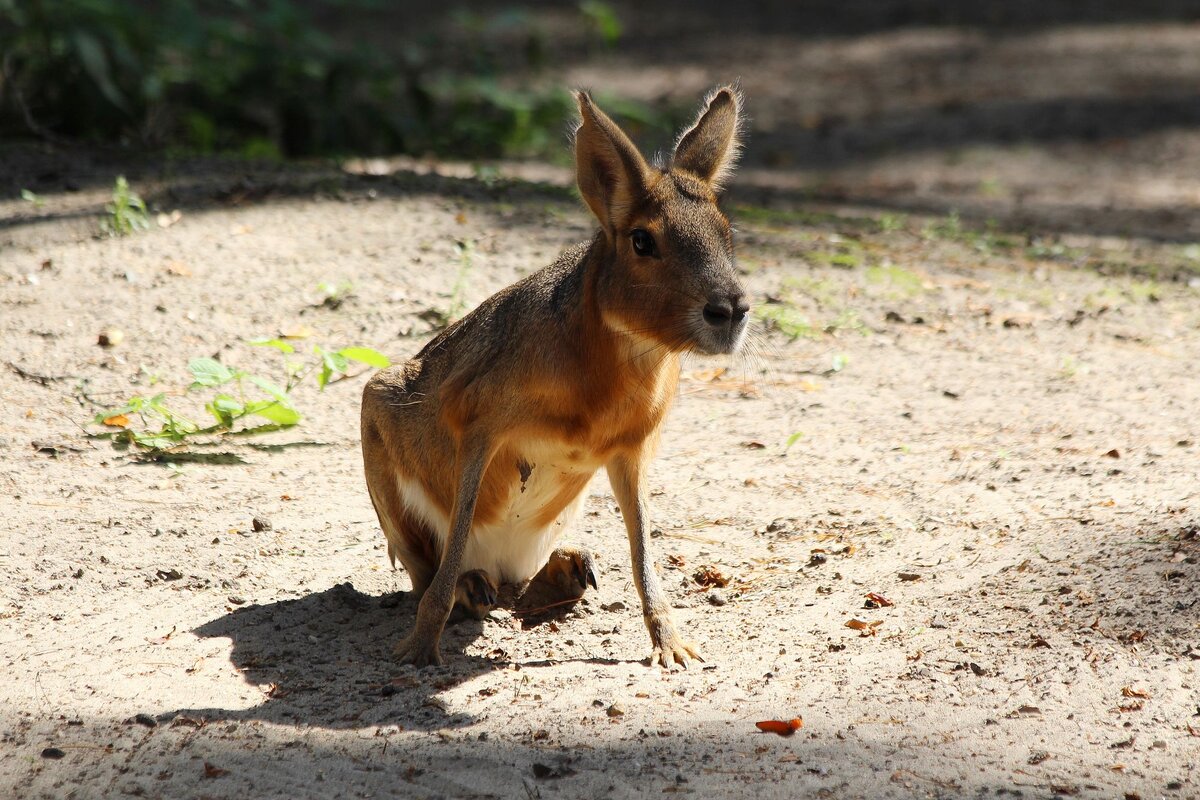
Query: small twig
x=44, y=380
x=533, y=611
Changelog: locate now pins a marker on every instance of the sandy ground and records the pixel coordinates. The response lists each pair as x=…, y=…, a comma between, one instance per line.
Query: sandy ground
x=1006, y=451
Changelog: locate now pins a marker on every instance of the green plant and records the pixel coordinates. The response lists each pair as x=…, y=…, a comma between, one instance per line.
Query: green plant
x=275, y=77
x=603, y=20
x=229, y=398
x=900, y=281
x=333, y=295
x=30, y=197
x=458, y=293
x=126, y=213
x=788, y=320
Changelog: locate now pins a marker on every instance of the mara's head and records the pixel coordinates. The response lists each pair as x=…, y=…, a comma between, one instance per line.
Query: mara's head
x=669, y=274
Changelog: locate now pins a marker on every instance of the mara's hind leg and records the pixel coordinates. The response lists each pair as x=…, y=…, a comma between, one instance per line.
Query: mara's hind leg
x=563, y=580
x=409, y=541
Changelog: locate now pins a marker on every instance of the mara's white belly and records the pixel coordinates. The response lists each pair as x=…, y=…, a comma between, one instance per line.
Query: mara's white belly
x=514, y=547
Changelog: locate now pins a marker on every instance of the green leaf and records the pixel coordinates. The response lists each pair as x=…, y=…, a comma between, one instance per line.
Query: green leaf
x=225, y=409
x=331, y=363
x=278, y=344
x=228, y=404
x=209, y=372
x=95, y=64
x=839, y=363
x=791, y=440
x=132, y=407
x=366, y=355
x=156, y=441
x=274, y=411
x=270, y=388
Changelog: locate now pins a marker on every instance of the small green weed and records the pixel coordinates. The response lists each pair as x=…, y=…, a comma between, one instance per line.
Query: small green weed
x=602, y=19
x=458, y=294
x=900, y=281
x=788, y=320
x=333, y=295
x=249, y=398
x=127, y=212
x=30, y=197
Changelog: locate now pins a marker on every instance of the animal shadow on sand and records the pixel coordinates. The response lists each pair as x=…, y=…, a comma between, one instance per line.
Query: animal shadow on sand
x=325, y=659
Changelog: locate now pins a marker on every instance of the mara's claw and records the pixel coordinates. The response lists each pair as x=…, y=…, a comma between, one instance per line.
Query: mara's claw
x=415, y=650
x=675, y=650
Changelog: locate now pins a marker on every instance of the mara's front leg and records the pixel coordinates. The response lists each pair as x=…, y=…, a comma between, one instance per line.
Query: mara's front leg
x=625, y=474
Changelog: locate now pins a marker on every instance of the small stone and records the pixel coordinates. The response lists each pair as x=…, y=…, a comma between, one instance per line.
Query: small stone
x=77, y=573
x=616, y=710
x=614, y=606
x=147, y=720
x=716, y=598
x=110, y=337
x=52, y=752
x=236, y=600
x=260, y=524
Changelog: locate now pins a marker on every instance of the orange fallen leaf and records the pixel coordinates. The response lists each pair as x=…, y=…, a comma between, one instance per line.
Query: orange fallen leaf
x=117, y=421
x=779, y=727
x=709, y=575
x=864, y=628
x=879, y=600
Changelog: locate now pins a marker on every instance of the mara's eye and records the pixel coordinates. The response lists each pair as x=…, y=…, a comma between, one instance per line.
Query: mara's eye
x=643, y=243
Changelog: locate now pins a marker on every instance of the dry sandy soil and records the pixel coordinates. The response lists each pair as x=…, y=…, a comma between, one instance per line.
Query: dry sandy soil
x=1007, y=454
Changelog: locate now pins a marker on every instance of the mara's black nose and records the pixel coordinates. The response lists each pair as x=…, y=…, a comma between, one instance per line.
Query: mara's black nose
x=722, y=311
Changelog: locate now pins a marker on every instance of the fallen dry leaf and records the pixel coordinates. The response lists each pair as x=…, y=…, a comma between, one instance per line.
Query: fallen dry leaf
x=213, y=772
x=865, y=628
x=780, y=727
x=117, y=421
x=708, y=375
x=162, y=639
x=709, y=575
x=297, y=332
x=879, y=600
x=1129, y=691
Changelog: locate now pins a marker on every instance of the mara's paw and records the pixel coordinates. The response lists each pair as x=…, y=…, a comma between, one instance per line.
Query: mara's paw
x=671, y=649
x=420, y=651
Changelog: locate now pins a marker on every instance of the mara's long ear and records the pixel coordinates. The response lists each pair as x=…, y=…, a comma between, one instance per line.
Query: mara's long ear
x=610, y=171
x=709, y=149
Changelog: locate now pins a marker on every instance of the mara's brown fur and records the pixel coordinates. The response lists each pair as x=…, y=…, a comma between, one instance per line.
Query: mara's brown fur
x=478, y=450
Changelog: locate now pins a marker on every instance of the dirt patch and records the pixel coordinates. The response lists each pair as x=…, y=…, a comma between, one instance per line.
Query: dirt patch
x=987, y=433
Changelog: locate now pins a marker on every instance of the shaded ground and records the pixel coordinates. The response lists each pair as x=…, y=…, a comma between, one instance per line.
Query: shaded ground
x=963, y=441
x=998, y=433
